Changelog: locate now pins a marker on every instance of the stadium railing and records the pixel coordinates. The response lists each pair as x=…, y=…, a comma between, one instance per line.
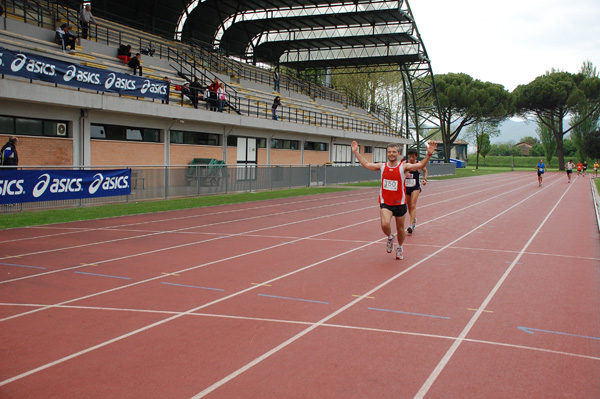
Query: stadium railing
x=152, y=182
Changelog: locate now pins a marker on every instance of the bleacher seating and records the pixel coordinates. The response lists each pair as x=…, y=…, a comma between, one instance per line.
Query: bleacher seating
x=253, y=97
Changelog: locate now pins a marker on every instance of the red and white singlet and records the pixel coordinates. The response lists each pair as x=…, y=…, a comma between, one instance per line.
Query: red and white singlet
x=392, y=191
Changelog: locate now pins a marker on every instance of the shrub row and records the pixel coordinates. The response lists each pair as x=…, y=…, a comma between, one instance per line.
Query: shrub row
x=506, y=161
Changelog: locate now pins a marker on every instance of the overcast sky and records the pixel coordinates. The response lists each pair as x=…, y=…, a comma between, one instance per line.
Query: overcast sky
x=509, y=42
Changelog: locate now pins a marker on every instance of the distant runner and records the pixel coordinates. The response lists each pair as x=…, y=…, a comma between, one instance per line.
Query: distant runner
x=569, y=168
x=579, y=168
x=541, y=168
x=392, y=195
x=584, y=167
x=596, y=166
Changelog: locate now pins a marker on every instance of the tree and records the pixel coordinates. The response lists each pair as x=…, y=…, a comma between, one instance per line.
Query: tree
x=504, y=149
x=552, y=97
x=478, y=133
x=529, y=140
x=484, y=145
x=464, y=101
x=548, y=141
x=592, y=144
x=584, y=127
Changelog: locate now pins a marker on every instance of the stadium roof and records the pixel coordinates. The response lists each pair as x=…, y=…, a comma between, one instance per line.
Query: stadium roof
x=296, y=33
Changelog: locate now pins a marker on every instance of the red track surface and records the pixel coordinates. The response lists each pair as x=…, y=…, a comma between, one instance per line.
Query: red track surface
x=497, y=297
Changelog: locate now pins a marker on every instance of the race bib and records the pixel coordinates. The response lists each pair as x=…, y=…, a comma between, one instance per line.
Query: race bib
x=541, y=169
x=390, y=185
x=411, y=182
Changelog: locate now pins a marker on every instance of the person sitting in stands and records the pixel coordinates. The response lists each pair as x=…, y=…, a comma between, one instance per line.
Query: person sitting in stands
x=124, y=53
x=276, y=103
x=65, y=38
x=187, y=91
x=148, y=50
x=135, y=63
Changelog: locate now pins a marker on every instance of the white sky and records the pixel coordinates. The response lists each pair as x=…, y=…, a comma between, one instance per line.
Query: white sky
x=509, y=42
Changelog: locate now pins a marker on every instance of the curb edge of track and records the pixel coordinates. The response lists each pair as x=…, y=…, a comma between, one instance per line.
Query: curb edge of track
x=596, y=201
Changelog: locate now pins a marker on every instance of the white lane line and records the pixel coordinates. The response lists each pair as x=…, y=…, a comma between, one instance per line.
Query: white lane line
x=201, y=265
x=64, y=359
x=209, y=225
x=461, y=338
x=321, y=322
x=176, y=246
x=308, y=323
x=177, y=316
x=208, y=209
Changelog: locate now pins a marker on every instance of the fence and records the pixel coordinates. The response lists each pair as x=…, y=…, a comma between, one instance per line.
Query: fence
x=166, y=182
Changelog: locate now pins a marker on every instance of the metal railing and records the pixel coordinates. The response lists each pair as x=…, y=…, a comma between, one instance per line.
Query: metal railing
x=180, y=181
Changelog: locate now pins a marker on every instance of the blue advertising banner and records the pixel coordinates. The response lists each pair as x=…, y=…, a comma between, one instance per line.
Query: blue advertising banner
x=33, y=66
x=18, y=186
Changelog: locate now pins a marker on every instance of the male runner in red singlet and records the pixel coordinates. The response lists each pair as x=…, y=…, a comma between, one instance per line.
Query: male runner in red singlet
x=392, y=195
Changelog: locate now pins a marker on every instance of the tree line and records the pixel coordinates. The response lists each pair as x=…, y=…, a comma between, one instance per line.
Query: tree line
x=563, y=105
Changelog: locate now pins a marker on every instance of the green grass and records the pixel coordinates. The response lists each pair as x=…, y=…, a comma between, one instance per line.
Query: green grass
x=462, y=172
x=37, y=218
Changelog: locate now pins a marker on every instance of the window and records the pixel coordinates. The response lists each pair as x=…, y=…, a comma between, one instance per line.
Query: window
x=368, y=149
x=7, y=125
x=114, y=132
x=380, y=155
x=285, y=144
x=31, y=127
x=312, y=146
x=260, y=142
x=196, y=138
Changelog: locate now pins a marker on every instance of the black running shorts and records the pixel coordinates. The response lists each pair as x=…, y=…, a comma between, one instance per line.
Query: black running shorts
x=397, y=210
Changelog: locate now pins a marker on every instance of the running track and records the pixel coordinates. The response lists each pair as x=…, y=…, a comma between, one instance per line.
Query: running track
x=497, y=297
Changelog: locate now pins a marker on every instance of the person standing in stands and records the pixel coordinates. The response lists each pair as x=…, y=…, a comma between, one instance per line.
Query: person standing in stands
x=276, y=79
x=195, y=88
x=135, y=63
x=212, y=89
x=85, y=17
x=8, y=154
x=222, y=97
x=276, y=103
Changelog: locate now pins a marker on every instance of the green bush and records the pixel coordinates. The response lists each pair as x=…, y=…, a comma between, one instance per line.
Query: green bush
x=506, y=161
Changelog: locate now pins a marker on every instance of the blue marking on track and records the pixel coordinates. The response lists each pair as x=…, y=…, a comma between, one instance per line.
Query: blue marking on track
x=104, y=275
x=31, y=267
x=530, y=330
x=414, y=314
x=293, y=299
x=193, y=286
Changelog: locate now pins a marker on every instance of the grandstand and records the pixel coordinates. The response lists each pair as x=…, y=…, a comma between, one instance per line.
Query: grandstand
x=62, y=124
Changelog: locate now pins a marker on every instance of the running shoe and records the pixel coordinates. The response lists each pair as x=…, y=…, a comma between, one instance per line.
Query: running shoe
x=410, y=229
x=399, y=252
x=390, y=244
